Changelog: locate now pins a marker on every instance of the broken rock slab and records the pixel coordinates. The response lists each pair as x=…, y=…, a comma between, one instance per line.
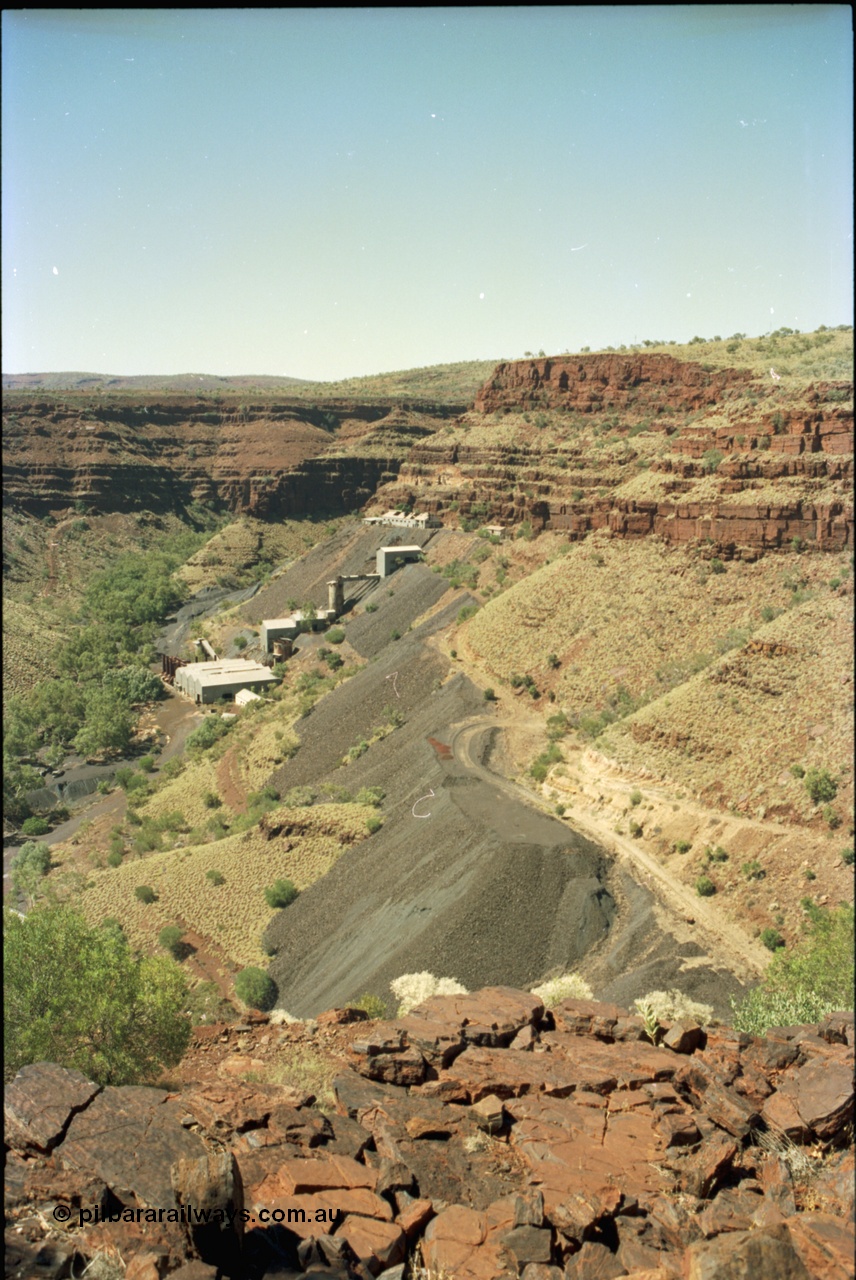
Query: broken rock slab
x=40, y=1103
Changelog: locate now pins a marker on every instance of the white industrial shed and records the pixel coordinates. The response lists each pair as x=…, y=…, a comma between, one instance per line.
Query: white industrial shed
x=208, y=681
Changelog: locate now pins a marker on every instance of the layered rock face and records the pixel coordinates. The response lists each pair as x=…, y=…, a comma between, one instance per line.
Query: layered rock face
x=593, y=383
x=756, y=438
x=500, y=1139
x=270, y=460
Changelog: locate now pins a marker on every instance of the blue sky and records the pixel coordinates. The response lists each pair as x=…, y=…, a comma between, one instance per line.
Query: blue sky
x=327, y=193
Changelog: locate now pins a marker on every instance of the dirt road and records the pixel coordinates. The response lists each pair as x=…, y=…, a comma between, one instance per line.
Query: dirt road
x=725, y=941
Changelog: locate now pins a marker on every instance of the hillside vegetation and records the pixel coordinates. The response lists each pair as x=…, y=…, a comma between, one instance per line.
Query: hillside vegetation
x=681, y=696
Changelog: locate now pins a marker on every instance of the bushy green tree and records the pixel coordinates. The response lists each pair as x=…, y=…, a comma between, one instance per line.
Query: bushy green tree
x=29, y=867
x=76, y=995
x=109, y=724
x=280, y=893
x=256, y=988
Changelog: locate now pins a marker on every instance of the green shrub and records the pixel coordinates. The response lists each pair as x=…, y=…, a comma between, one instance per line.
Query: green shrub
x=772, y=939
x=146, y=763
x=114, y=858
x=373, y=824
x=336, y=634
x=716, y=566
x=215, y=877
x=847, y=856
x=797, y=770
x=682, y=846
x=35, y=827
x=468, y=611
x=211, y=800
x=241, y=642
x=369, y=795
x=635, y=829
x=256, y=988
x=280, y=894
x=395, y=635
x=145, y=893
x=371, y=608
x=299, y=797
x=170, y=939
x=209, y=732
x=372, y=1005
x=820, y=785
x=710, y=460
x=78, y=996
x=753, y=870
x=635, y=797
x=705, y=888
x=29, y=867
x=489, y=695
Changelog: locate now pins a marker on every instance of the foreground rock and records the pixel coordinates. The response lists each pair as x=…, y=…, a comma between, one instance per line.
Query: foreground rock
x=481, y=1133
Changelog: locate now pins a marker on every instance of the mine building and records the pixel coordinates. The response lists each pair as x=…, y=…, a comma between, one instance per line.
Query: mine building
x=290, y=628
x=208, y=681
x=387, y=557
x=398, y=520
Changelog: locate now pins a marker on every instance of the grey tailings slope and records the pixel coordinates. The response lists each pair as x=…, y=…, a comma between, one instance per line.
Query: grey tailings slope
x=351, y=549
x=486, y=889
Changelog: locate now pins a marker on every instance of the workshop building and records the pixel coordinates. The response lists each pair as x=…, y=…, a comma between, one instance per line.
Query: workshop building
x=207, y=681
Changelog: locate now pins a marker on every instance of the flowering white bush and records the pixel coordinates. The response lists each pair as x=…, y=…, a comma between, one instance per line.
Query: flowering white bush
x=674, y=1006
x=570, y=986
x=279, y=1017
x=412, y=988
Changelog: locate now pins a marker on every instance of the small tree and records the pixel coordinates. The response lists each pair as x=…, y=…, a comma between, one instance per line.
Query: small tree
x=820, y=785
x=145, y=893
x=256, y=988
x=35, y=827
x=78, y=996
x=170, y=939
x=705, y=888
x=280, y=894
x=29, y=868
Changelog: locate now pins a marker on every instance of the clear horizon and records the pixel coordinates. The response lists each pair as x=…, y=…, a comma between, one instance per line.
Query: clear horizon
x=326, y=194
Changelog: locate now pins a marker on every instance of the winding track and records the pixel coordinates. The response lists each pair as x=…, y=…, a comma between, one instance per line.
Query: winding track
x=726, y=942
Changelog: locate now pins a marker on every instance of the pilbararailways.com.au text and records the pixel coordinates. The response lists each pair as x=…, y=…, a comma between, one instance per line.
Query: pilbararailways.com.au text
x=194, y=1217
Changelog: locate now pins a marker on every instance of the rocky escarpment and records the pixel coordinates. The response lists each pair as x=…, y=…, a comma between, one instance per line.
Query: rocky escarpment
x=490, y=1136
x=593, y=383
x=166, y=452
x=740, y=465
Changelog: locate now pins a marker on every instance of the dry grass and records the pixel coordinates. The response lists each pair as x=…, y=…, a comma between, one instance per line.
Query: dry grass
x=233, y=915
x=799, y=358
x=732, y=732
x=237, y=548
x=617, y=612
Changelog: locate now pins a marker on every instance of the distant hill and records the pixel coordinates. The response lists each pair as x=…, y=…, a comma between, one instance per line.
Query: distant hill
x=441, y=384
x=147, y=382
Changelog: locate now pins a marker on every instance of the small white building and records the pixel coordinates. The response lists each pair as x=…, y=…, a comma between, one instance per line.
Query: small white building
x=244, y=696
x=208, y=681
